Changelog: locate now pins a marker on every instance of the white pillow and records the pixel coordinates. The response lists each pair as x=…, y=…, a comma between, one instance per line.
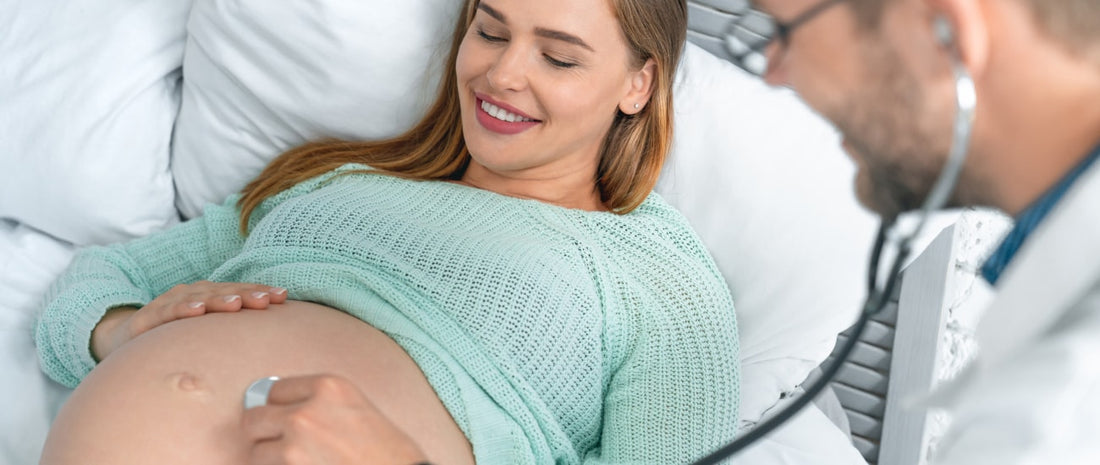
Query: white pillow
x=89, y=93
x=764, y=182
x=759, y=175
x=260, y=78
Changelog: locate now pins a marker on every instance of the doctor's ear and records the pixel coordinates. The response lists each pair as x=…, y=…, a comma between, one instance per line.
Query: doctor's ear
x=961, y=26
x=944, y=31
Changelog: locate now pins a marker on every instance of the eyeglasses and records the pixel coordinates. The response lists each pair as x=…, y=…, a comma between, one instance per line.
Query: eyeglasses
x=753, y=30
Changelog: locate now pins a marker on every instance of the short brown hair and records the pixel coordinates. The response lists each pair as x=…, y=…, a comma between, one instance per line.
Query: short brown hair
x=1073, y=23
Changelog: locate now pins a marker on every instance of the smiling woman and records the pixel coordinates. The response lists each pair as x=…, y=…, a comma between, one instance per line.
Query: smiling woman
x=500, y=281
x=571, y=88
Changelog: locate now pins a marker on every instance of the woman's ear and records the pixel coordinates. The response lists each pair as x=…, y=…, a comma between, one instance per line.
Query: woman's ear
x=641, y=88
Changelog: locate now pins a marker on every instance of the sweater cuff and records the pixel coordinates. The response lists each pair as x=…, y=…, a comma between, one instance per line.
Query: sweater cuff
x=64, y=337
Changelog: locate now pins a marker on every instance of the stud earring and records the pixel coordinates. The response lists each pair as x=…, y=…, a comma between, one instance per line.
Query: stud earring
x=636, y=106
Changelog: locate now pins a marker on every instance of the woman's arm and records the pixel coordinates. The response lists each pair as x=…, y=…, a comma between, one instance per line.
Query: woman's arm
x=677, y=396
x=130, y=274
x=135, y=273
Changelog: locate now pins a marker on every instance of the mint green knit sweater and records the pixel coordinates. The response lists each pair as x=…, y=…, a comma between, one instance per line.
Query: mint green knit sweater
x=551, y=335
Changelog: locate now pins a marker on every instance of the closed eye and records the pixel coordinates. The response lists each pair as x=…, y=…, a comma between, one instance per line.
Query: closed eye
x=490, y=38
x=558, y=63
x=549, y=59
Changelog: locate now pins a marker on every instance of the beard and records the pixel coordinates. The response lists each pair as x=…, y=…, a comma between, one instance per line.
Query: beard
x=895, y=134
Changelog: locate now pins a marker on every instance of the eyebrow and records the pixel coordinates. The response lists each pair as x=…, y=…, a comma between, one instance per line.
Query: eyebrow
x=541, y=32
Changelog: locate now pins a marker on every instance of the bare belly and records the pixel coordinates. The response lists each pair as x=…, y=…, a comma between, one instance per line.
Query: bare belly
x=174, y=395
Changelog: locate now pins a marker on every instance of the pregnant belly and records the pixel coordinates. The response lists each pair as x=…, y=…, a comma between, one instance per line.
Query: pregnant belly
x=174, y=394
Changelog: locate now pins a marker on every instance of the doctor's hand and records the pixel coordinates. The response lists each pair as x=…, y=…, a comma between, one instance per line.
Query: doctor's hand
x=120, y=325
x=323, y=420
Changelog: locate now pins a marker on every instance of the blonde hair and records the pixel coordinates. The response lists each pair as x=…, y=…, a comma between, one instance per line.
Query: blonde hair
x=434, y=149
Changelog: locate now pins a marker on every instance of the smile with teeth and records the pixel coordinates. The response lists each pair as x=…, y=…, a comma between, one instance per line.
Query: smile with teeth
x=502, y=114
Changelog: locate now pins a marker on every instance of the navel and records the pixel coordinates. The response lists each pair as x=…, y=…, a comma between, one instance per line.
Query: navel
x=188, y=383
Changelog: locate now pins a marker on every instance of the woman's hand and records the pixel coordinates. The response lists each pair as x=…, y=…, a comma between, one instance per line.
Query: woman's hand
x=324, y=420
x=120, y=325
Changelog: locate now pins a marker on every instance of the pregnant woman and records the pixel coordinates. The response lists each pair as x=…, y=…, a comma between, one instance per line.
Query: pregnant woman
x=500, y=281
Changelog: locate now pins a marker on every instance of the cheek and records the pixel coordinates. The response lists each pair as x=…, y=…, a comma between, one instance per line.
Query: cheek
x=586, y=114
x=465, y=61
x=468, y=64
x=827, y=82
x=587, y=102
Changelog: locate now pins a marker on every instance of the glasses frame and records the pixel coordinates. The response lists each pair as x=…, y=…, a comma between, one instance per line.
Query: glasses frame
x=744, y=53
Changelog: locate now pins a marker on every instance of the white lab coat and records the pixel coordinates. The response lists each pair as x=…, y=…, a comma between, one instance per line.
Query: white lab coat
x=1032, y=395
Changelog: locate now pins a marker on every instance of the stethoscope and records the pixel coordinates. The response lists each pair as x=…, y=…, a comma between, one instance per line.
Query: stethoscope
x=877, y=297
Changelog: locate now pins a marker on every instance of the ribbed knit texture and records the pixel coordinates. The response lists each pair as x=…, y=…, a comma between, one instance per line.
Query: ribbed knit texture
x=552, y=335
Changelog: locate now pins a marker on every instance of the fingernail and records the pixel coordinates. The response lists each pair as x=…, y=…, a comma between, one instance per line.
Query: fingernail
x=278, y=290
x=231, y=298
x=195, y=304
x=259, y=295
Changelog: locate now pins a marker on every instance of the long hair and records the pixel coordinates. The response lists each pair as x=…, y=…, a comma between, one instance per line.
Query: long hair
x=434, y=149
x=636, y=145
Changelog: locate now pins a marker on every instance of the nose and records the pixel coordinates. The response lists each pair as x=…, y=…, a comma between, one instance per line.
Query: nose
x=509, y=71
x=774, y=74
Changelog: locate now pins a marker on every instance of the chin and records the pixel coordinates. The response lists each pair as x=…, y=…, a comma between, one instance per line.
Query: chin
x=876, y=200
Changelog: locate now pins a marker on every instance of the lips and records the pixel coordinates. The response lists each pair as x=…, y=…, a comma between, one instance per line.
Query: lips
x=501, y=118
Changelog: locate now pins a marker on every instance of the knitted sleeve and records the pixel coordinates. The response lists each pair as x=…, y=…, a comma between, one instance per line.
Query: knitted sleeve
x=132, y=274
x=676, y=396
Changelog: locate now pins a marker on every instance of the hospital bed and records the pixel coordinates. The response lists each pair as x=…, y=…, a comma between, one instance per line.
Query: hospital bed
x=121, y=117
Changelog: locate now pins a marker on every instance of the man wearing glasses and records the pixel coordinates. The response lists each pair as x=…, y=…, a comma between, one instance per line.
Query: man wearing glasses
x=1005, y=94
x=893, y=76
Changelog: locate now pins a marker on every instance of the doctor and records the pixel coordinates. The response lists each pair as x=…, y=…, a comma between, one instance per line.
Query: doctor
x=881, y=73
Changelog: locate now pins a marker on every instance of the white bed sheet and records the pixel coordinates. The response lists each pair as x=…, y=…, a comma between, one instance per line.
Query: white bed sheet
x=809, y=438
x=29, y=262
